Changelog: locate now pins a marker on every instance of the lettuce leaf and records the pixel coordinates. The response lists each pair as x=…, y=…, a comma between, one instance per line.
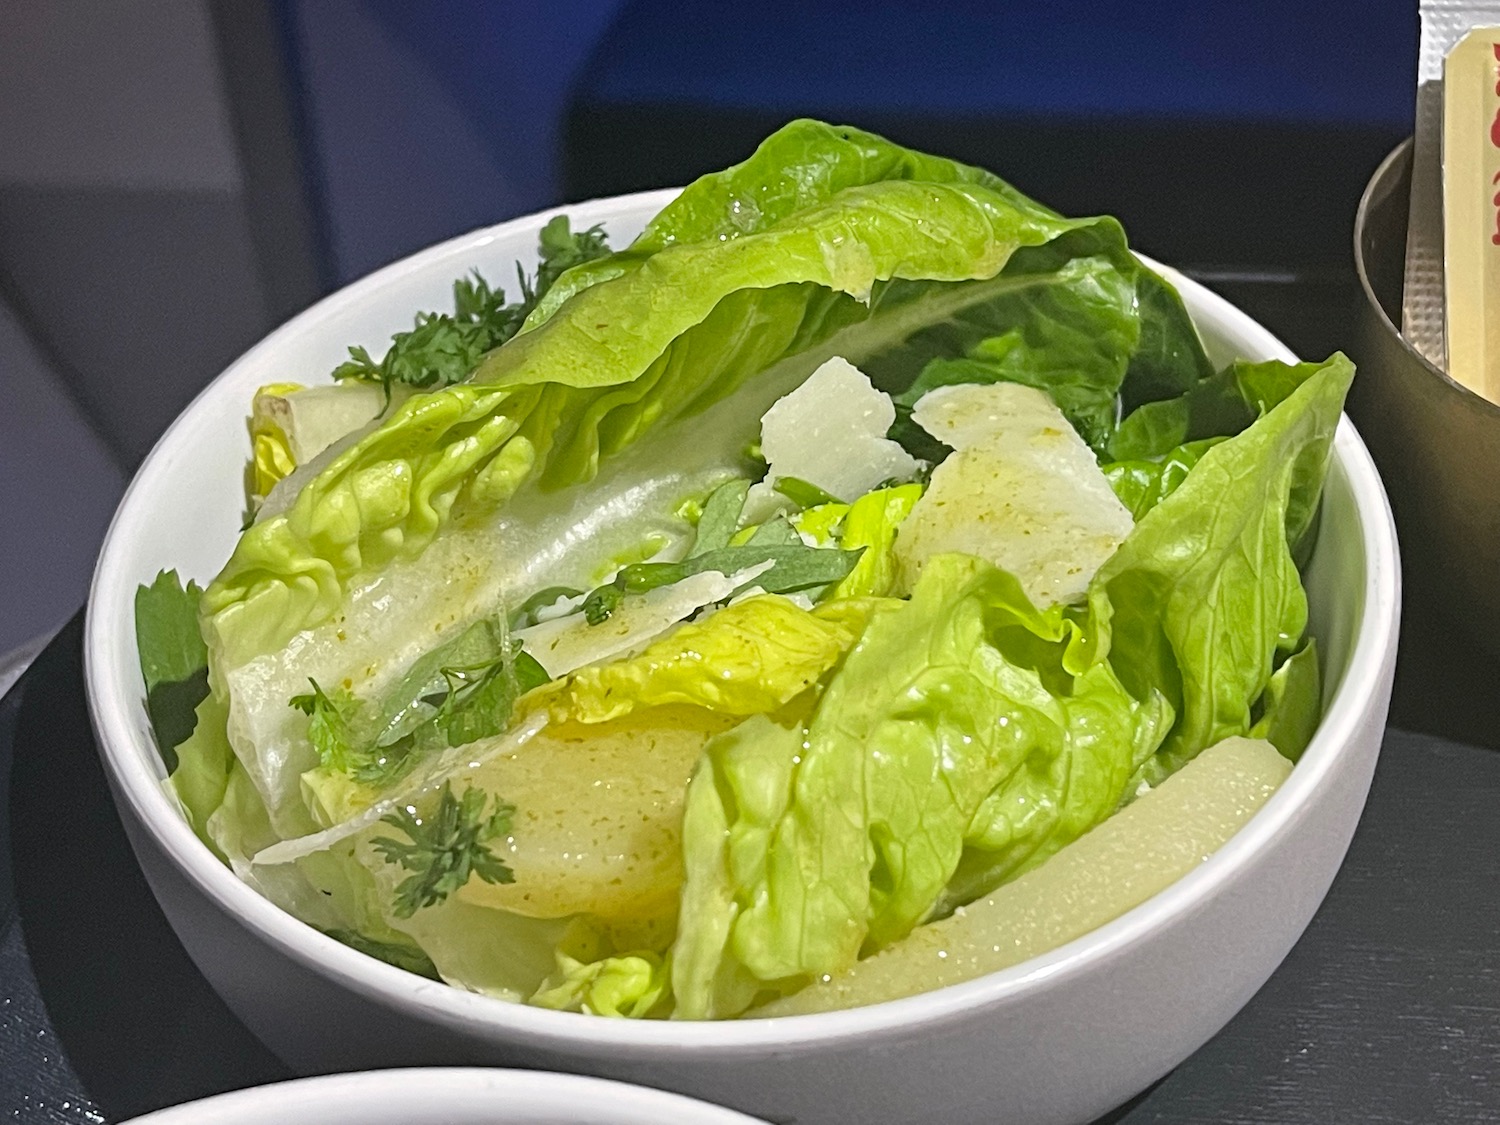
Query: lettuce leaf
x=966, y=717
x=803, y=164
x=1095, y=326
x=871, y=262
x=1292, y=703
x=204, y=761
x=968, y=736
x=870, y=525
x=1219, y=406
x=1141, y=485
x=750, y=657
x=1202, y=598
x=628, y=986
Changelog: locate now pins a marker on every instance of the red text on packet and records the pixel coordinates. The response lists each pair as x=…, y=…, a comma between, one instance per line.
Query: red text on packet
x=1495, y=140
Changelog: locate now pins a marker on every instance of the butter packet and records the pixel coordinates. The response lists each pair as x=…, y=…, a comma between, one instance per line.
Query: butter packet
x=1471, y=210
x=1424, y=313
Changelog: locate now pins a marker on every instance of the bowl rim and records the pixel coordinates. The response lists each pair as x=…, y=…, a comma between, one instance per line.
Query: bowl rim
x=1396, y=164
x=113, y=694
x=439, y=1088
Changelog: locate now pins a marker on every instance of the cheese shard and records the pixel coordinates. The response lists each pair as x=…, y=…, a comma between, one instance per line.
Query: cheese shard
x=1022, y=491
x=1135, y=854
x=830, y=432
x=564, y=643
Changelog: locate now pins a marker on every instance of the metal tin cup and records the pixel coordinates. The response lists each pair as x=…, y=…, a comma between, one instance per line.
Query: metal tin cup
x=1437, y=444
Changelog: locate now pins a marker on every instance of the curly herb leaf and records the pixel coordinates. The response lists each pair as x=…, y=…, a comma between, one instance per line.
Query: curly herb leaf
x=328, y=727
x=443, y=348
x=446, y=849
x=460, y=692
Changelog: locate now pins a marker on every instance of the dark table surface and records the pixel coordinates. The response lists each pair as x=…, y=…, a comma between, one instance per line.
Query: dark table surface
x=1388, y=1010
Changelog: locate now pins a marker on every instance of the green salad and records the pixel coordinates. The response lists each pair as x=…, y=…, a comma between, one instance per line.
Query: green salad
x=756, y=601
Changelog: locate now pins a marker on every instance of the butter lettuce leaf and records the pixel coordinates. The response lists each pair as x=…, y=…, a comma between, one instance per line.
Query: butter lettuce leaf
x=1096, y=326
x=964, y=720
x=1204, y=597
x=1219, y=406
x=750, y=657
x=204, y=761
x=868, y=264
x=631, y=985
x=870, y=526
x=1143, y=484
x=968, y=736
x=1292, y=703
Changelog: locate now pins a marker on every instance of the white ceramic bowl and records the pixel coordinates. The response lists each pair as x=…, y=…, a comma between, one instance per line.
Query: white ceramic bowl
x=1059, y=1039
x=447, y=1096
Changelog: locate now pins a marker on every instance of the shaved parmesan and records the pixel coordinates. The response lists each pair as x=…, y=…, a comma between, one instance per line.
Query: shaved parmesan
x=566, y=643
x=1022, y=491
x=830, y=432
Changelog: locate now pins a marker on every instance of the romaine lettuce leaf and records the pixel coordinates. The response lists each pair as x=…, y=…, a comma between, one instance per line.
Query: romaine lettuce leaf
x=966, y=717
x=968, y=736
x=1219, y=406
x=1094, y=325
x=877, y=260
x=803, y=164
x=204, y=761
x=1142, y=485
x=1293, y=703
x=1202, y=597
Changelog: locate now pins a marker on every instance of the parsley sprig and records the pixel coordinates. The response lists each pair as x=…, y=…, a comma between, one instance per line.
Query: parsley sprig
x=460, y=692
x=446, y=849
x=444, y=348
x=328, y=727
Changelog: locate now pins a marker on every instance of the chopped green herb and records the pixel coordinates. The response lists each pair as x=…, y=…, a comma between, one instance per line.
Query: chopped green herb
x=777, y=531
x=526, y=613
x=794, y=567
x=328, y=727
x=446, y=848
x=803, y=493
x=481, y=697
x=460, y=692
x=444, y=348
x=561, y=250
x=721, y=516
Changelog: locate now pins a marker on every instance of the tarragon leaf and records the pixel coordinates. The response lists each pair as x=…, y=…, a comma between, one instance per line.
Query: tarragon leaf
x=721, y=516
x=793, y=567
x=803, y=493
